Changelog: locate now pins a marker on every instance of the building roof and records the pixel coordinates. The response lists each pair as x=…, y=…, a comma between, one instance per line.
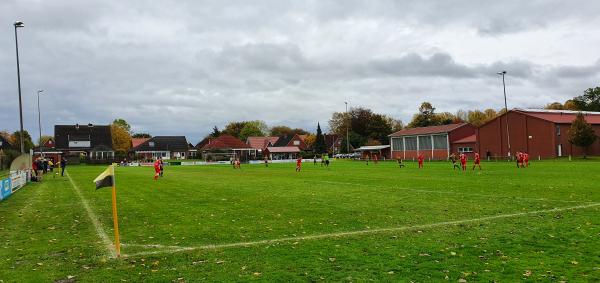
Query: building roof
x=5, y=143
x=468, y=139
x=137, y=141
x=99, y=136
x=283, y=149
x=427, y=130
x=261, y=142
x=224, y=142
x=560, y=116
x=372, y=147
x=283, y=140
x=164, y=143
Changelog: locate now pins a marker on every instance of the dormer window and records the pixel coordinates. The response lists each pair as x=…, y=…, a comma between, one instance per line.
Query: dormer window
x=296, y=142
x=151, y=144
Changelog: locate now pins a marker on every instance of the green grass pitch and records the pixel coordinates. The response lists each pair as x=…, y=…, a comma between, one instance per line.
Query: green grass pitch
x=348, y=222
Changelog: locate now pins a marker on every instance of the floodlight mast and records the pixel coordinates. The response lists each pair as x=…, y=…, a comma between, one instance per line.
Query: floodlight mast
x=19, y=24
x=503, y=73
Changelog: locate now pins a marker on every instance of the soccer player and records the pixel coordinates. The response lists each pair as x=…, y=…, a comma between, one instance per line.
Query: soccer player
x=477, y=161
x=162, y=166
x=375, y=159
x=454, y=159
x=63, y=166
x=463, y=161
x=420, y=158
x=400, y=164
x=519, y=159
x=266, y=162
x=299, y=164
x=525, y=159
x=156, y=169
x=237, y=164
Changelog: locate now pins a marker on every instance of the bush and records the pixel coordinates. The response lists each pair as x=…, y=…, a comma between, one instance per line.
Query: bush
x=8, y=157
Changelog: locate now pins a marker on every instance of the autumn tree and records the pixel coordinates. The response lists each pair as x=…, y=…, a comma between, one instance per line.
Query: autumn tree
x=425, y=117
x=123, y=124
x=121, y=138
x=554, y=106
x=310, y=140
x=245, y=129
x=581, y=133
x=477, y=118
x=363, y=124
x=570, y=105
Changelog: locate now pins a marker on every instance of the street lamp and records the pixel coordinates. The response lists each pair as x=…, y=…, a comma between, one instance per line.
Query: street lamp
x=40, y=122
x=19, y=24
x=506, y=111
x=347, y=128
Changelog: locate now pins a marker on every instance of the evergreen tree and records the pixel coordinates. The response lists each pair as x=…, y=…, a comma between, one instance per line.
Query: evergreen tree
x=215, y=133
x=320, y=146
x=581, y=133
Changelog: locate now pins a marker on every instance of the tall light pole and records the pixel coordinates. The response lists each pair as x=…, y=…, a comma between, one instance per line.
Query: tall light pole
x=40, y=123
x=19, y=24
x=347, y=128
x=506, y=111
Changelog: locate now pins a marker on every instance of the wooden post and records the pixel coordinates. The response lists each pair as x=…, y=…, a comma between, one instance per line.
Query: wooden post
x=114, y=211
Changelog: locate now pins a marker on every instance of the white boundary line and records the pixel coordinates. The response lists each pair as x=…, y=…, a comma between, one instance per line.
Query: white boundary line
x=175, y=249
x=453, y=192
x=99, y=231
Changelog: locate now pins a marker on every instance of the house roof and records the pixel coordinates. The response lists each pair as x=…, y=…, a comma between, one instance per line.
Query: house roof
x=224, y=142
x=137, y=141
x=261, y=142
x=283, y=149
x=560, y=116
x=469, y=139
x=99, y=136
x=283, y=140
x=427, y=130
x=163, y=143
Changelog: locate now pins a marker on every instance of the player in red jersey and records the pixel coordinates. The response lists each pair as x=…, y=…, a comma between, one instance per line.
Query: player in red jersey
x=299, y=164
x=420, y=158
x=477, y=161
x=463, y=161
x=156, y=169
x=525, y=159
x=519, y=159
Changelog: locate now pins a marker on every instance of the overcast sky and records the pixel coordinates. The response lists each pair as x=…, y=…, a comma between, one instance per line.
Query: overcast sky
x=180, y=67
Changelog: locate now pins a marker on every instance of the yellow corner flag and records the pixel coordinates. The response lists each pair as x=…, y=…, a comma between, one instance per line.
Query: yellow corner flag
x=107, y=179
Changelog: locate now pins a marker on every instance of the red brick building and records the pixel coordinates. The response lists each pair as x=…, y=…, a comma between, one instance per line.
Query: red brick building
x=543, y=133
x=435, y=142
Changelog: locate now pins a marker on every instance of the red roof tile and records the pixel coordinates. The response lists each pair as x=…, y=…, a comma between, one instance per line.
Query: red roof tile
x=137, y=141
x=561, y=116
x=261, y=142
x=283, y=149
x=225, y=142
x=427, y=130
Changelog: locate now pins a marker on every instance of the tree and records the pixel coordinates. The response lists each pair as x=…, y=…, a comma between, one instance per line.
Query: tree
x=589, y=101
x=477, y=118
x=250, y=130
x=570, y=105
x=490, y=114
x=123, y=124
x=461, y=116
x=363, y=125
x=320, y=146
x=425, y=117
x=554, y=106
x=581, y=133
x=16, y=141
x=310, y=140
x=444, y=118
x=278, y=131
x=141, y=136
x=121, y=139
x=215, y=133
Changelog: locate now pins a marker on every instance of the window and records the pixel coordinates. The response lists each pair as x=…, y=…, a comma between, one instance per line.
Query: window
x=151, y=144
x=410, y=143
x=440, y=142
x=296, y=142
x=397, y=144
x=424, y=142
x=558, y=130
x=465, y=149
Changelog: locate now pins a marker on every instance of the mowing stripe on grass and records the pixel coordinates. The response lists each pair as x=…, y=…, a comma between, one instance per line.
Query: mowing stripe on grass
x=454, y=193
x=175, y=249
x=99, y=231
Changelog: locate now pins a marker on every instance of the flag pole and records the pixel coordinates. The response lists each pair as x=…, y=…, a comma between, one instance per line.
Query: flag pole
x=114, y=211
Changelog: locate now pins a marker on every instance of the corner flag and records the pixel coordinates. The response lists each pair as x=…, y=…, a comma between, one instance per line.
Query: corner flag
x=106, y=179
